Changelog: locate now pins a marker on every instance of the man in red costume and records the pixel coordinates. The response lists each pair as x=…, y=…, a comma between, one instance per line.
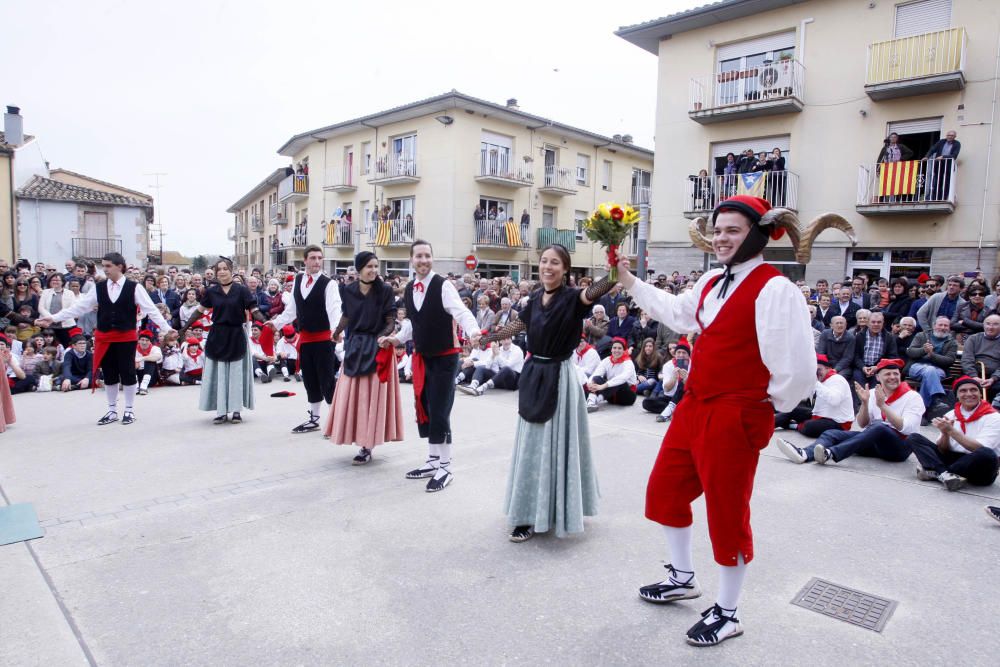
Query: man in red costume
x=751, y=316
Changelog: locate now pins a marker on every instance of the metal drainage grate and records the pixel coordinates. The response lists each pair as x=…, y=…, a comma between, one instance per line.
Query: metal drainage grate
x=846, y=604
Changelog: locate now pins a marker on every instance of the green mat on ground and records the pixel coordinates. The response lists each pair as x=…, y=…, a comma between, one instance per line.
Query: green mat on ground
x=19, y=523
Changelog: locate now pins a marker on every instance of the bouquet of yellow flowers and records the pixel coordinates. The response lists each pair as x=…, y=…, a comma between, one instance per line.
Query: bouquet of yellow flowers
x=609, y=225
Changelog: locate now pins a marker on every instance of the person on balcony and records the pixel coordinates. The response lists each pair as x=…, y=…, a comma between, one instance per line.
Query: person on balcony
x=701, y=191
x=939, y=172
x=777, y=179
x=893, y=151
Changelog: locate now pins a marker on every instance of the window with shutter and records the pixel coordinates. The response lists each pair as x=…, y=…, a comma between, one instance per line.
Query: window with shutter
x=917, y=18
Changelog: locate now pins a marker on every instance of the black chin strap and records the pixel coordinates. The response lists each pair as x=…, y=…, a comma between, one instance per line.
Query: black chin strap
x=752, y=245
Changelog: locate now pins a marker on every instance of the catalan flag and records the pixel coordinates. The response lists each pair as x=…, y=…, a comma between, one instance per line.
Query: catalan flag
x=331, y=229
x=513, y=231
x=898, y=178
x=384, y=234
x=752, y=184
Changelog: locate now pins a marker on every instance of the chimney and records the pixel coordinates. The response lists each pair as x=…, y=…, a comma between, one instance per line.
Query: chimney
x=512, y=103
x=627, y=139
x=617, y=138
x=13, y=127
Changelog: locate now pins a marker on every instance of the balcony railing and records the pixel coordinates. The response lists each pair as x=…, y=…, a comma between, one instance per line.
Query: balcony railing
x=278, y=214
x=558, y=181
x=640, y=195
x=772, y=88
x=241, y=229
x=241, y=261
x=500, y=169
x=293, y=187
x=781, y=188
x=342, y=181
x=564, y=237
x=86, y=248
x=394, y=168
x=339, y=233
x=501, y=234
x=256, y=223
x=392, y=232
x=256, y=258
x=927, y=63
x=914, y=186
x=293, y=237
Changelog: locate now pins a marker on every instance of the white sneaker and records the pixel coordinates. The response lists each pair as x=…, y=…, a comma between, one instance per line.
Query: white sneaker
x=925, y=475
x=791, y=452
x=822, y=455
x=469, y=389
x=951, y=481
x=592, y=403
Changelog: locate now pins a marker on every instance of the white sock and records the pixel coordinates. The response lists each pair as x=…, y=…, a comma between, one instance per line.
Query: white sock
x=433, y=453
x=258, y=372
x=314, y=409
x=284, y=371
x=145, y=381
x=445, y=454
x=731, y=584
x=112, y=393
x=459, y=378
x=679, y=546
x=270, y=368
x=130, y=390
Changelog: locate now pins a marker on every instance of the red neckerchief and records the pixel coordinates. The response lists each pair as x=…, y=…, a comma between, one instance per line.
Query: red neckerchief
x=829, y=374
x=624, y=357
x=982, y=409
x=144, y=352
x=579, y=354
x=197, y=354
x=900, y=390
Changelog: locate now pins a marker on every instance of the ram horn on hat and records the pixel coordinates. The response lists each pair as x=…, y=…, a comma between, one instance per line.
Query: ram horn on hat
x=803, y=249
x=698, y=231
x=782, y=218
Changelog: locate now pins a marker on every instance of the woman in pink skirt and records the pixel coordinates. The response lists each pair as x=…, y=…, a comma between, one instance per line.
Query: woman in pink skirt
x=366, y=408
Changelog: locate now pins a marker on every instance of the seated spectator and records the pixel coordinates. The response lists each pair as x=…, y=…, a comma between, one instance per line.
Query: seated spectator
x=49, y=336
x=903, y=331
x=173, y=361
x=404, y=364
x=18, y=381
x=870, y=347
x=824, y=310
x=845, y=307
x=502, y=369
x=622, y=325
x=945, y=303
x=504, y=316
x=47, y=369
x=966, y=452
x=476, y=358
x=889, y=414
x=861, y=319
x=833, y=409
x=837, y=345
x=286, y=349
x=147, y=360
x=77, y=365
x=26, y=327
x=899, y=301
x=932, y=354
x=648, y=365
x=981, y=355
x=595, y=328
x=586, y=360
x=264, y=363
x=968, y=319
x=485, y=317
x=193, y=361
x=670, y=389
x=614, y=380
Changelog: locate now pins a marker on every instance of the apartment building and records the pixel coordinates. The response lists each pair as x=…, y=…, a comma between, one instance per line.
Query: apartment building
x=826, y=82
x=258, y=218
x=421, y=171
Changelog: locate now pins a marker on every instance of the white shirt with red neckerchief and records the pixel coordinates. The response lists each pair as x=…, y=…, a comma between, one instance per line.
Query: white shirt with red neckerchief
x=985, y=431
x=909, y=406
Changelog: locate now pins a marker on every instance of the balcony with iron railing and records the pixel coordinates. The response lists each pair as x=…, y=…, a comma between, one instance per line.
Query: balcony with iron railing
x=277, y=214
x=341, y=181
x=394, y=169
x=242, y=229
x=500, y=169
x=339, y=233
x=293, y=187
x=256, y=223
x=501, y=234
x=564, y=237
x=95, y=249
x=929, y=63
x=775, y=87
x=640, y=195
x=384, y=233
x=702, y=194
x=558, y=181
x=914, y=186
x=293, y=237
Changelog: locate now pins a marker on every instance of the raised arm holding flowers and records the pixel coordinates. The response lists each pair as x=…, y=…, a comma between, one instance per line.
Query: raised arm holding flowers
x=609, y=225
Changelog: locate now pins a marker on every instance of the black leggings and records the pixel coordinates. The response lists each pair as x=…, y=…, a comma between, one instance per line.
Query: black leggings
x=118, y=364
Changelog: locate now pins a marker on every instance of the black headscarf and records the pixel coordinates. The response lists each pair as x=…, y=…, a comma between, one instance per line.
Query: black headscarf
x=362, y=258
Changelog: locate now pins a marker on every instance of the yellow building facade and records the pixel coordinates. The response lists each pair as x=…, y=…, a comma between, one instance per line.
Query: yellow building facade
x=826, y=82
x=421, y=171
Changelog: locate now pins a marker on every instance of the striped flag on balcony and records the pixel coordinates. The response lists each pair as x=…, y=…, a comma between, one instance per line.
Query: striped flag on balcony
x=752, y=184
x=384, y=234
x=513, y=231
x=898, y=178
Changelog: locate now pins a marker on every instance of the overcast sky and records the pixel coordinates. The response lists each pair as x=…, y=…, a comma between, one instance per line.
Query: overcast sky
x=207, y=91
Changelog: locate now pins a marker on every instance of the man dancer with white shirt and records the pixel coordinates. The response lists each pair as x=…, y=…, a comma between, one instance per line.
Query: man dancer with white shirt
x=315, y=303
x=748, y=314
x=116, y=301
x=433, y=308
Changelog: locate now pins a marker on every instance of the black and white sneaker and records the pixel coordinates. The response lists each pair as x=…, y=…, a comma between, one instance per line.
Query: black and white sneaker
x=925, y=475
x=521, y=534
x=305, y=427
x=110, y=418
x=791, y=452
x=426, y=470
x=441, y=479
x=363, y=457
x=951, y=481
x=671, y=589
x=128, y=418
x=993, y=512
x=468, y=389
x=714, y=628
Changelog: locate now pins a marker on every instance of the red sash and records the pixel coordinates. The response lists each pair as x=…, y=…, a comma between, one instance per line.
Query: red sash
x=419, y=372
x=101, y=341
x=385, y=362
x=982, y=409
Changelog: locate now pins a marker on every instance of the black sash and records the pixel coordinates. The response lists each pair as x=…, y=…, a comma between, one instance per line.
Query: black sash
x=538, y=388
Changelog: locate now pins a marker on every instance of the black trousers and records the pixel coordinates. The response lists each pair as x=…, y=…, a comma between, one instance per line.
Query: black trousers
x=657, y=404
x=438, y=397
x=25, y=384
x=149, y=368
x=502, y=379
x=118, y=364
x=978, y=467
x=619, y=395
x=807, y=426
x=318, y=365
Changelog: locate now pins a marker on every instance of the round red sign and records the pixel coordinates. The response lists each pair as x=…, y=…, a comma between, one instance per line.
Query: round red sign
x=471, y=262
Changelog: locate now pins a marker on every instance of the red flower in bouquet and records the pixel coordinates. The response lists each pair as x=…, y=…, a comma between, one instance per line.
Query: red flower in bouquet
x=617, y=213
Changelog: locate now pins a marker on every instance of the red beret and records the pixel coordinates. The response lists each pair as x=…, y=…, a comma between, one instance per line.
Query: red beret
x=288, y=330
x=146, y=333
x=683, y=344
x=822, y=359
x=75, y=331
x=898, y=364
x=965, y=379
x=194, y=341
x=290, y=278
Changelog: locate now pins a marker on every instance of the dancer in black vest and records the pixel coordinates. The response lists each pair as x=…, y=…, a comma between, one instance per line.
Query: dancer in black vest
x=316, y=304
x=116, y=300
x=433, y=307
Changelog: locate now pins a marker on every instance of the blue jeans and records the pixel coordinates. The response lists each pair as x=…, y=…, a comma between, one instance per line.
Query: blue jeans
x=930, y=381
x=879, y=440
x=646, y=384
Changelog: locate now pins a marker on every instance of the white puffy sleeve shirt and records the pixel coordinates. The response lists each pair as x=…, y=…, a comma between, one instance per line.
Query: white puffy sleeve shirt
x=784, y=333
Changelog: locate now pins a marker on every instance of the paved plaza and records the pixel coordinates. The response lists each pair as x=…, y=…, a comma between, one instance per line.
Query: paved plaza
x=176, y=542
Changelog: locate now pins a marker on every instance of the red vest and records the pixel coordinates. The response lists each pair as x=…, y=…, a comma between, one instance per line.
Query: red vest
x=726, y=357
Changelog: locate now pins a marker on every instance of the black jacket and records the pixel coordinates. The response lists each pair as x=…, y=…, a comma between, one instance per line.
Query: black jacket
x=888, y=348
x=904, y=153
x=851, y=314
x=935, y=150
x=839, y=352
